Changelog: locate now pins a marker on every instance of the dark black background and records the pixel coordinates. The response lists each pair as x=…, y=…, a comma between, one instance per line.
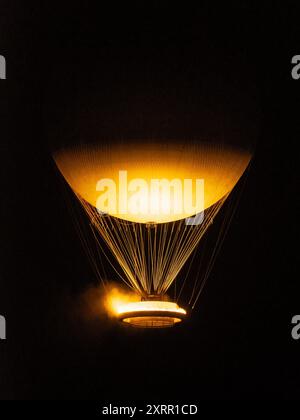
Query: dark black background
x=238, y=344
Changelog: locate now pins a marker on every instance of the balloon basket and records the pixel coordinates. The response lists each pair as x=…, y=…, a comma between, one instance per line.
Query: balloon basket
x=151, y=313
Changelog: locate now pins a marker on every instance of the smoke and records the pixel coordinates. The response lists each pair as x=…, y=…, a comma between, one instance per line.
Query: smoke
x=93, y=312
x=103, y=301
x=116, y=296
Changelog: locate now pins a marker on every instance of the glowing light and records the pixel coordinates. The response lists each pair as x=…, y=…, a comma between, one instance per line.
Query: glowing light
x=85, y=166
x=116, y=298
x=151, y=314
x=128, y=308
x=150, y=305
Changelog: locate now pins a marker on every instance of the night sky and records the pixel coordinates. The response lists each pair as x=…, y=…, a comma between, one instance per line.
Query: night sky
x=237, y=344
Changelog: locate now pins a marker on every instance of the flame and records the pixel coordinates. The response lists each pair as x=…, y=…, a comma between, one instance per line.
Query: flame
x=150, y=305
x=117, y=298
x=119, y=302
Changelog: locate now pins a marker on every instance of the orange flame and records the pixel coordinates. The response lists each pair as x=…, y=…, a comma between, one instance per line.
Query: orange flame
x=117, y=298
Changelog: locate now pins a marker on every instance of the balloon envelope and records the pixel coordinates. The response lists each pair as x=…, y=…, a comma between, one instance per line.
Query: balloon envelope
x=219, y=166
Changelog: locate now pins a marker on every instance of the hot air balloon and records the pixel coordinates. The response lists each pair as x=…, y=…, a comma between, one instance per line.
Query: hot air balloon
x=152, y=162
x=153, y=242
